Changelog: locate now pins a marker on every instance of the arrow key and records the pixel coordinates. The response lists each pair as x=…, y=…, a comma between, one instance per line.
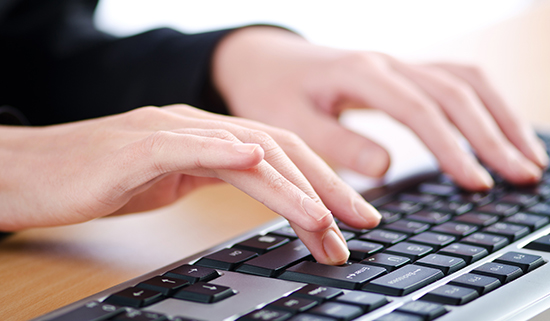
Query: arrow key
x=204, y=293
x=163, y=284
x=134, y=297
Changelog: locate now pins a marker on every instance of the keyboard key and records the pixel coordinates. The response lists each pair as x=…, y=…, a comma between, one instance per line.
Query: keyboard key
x=407, y=226
x=204, y=293
x=432, y=239
x=266, y=314
x=344, y=227
x=480, y=219
x=479, y=198
x=540, y=208
x=438, y=189
x=134, y=297
x=274, y=262
x=351, y=276
x=338, y=311
x=92, y=311
x=532, y=221
x=397, y=316
x=447, y=264
x=511, y=231
x=489, y=241
x=419, y=198
x=402, y=207
x=318, y=293
x=481, y=283
x=309, y=317
x=455, y=228
x=387, y=238
x=262, y=243
x=453, y=207
x=163, y=284
x=226, y=259
x=466, y=252
x=285, y=231
x=519, y=199
x=430, y=217
x=362, y=249
x=348, y=235
x=388, y=261
x=293, y=304
x=404, y=280
x=451, y=295
x=137, y=315
x=426, y=310
x=504, y=272
x=367, y=301
x=410, y=250
x=193, y=273
x=540, y=244
x=526, y=262
x=501, y=209
x=389, y=217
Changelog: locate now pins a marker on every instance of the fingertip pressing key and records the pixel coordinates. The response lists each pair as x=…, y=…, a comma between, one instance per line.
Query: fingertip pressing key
x=366, y=212
x=336, y=250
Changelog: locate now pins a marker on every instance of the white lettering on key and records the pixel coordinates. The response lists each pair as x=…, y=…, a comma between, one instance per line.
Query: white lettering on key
x=267, y=239
x=356, y=273
x=235, y=253
x=404, y=277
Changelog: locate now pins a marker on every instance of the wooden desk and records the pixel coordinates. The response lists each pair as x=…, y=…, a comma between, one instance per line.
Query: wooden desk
x=43, y=269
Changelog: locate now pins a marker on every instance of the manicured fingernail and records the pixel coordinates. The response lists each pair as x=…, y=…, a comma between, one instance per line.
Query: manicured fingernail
x=245, y=148
x=373, y=162
x=334, y=247
x=540, y=154
x=314, y=209
x=366, y=211
x=525, y=168
x=484, y=177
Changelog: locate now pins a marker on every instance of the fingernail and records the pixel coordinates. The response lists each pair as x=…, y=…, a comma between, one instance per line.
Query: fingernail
x=484, y=177
x=525, y=168
x=372, y=162
x=314, y=209
x=540, y=154
x=366, y=211
x=245, y=148
x=334, y=247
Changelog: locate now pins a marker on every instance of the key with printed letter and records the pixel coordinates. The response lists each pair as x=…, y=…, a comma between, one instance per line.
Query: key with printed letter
x=404, y=280
x=347, y=277
x=273, y=262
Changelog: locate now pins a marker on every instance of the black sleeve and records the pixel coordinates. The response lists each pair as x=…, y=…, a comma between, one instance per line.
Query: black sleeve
x=56, y=67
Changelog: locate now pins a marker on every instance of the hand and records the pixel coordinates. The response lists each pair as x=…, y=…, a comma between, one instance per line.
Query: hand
x=150, y=157
x=275, y=76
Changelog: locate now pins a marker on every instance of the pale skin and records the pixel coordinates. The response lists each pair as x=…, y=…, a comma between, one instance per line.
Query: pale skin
x=150, y=157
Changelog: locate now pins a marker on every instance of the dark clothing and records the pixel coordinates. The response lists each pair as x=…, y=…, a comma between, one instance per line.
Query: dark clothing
x=55, y=66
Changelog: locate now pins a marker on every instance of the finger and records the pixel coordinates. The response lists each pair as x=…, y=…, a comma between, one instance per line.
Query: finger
x=387, y=90
x=339, y=197
x=327, y=246
x=467, y=112
x=514, y=127
x=162, y=152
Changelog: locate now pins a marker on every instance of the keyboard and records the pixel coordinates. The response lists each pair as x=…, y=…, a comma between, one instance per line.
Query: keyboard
x=440, y=253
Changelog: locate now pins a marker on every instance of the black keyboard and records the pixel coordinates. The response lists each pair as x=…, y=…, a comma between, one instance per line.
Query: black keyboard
x=440, y=253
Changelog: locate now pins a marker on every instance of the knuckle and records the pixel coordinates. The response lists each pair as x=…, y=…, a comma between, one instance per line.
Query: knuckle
x=223, y=134
x=181, y=108
x=457, y=91
x=288, y=139
x=152, y=146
